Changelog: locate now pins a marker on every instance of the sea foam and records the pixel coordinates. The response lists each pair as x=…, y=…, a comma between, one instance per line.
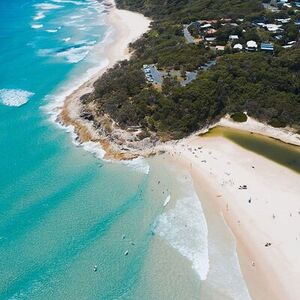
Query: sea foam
x=47, y=6
x=69, y=1
x=14, y=97
x=139, y=164
x=74, y=54
x=39, y=16
x=184, y=228
x=37, y=26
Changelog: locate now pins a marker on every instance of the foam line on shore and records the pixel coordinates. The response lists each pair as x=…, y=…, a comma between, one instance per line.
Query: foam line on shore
x=121, y=31
x=256, y=215
x=184, y=228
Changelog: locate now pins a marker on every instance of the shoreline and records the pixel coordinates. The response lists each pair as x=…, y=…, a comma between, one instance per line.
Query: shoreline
x=286, y=135
x=119, y=144
x=126, y=28
x=218, y=167
x=263, y=279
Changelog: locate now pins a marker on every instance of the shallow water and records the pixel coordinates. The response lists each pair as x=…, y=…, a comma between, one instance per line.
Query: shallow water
x=279, y=152
x=62, y=210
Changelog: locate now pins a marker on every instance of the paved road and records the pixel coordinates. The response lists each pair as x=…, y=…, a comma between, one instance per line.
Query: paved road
x=190, y=76
x=188, y=37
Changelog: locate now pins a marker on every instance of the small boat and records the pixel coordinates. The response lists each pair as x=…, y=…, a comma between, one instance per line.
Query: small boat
x=95, y=268
x=126, y=252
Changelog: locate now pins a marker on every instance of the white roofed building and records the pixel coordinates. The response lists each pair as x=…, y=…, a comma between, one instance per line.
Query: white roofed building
x=233, y=37
x=238, y=47
x=220, y=48
x=251, y=46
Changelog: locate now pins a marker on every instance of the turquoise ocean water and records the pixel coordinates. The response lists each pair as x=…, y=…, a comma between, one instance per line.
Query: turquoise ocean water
x=62, y=210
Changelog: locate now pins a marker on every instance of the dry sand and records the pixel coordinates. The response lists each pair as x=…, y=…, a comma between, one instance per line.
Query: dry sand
x=126, y=28
x=268, y=211
x=218, y=169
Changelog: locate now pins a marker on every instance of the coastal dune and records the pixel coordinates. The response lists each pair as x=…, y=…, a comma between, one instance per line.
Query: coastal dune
x=260, y=202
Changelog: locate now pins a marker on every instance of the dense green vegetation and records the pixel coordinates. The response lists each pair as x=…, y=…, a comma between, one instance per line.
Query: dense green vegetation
x=184, y=11
x=266, y=86
x=239, y=117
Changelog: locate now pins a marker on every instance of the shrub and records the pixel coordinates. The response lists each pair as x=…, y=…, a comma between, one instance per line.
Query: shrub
x=239, y=117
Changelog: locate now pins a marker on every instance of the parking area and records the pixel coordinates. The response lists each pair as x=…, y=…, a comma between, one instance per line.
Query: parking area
x=152, y=74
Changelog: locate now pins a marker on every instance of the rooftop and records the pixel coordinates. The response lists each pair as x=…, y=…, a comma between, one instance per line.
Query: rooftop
x=238, y=46
x=233, y=37
x=251, y=44
x=267, y=46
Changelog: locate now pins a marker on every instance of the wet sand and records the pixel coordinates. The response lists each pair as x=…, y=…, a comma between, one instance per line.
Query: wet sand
x=259, y=200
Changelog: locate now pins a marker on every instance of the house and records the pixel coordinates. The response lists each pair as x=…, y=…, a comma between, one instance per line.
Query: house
x=278, y=37
x=211, y=31
x=270, y=27
x=233, y=37
x=226, y=20
x=220, y=48
x=267, y=47
x=251, y=46
x=273, y=27
x=205, y=26
x=238, y=47
x=279, y=3
x=208, y=21
x=297, y=22
x=289, y=44
x=210, y=39
x=283, y=21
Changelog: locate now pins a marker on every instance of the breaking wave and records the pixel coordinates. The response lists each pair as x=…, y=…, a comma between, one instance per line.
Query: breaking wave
x=47, y=6
x=138, y=164
x=37, y=26
x=39, y=16
x=72, y=54
x=69, y=1
x=184, y=228
x=14, y=97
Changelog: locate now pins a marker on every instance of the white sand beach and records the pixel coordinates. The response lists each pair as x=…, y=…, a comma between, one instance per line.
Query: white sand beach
x=268, y=211
x=126, y=27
